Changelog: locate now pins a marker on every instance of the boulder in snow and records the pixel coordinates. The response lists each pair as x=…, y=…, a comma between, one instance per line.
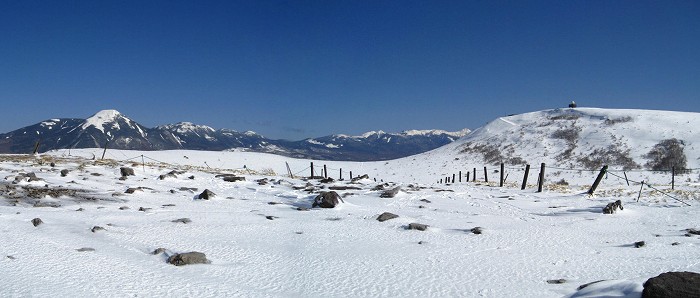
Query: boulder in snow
x=37, y=221
x=417, y=226
x=206, y=195
x=126, y=171
x=386, y=216
x=188, y=258
x=390, y=193
x=672, y=284
x=327, y=199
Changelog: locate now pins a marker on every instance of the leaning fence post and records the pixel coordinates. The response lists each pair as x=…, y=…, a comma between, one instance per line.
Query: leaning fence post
x=628, y=181
x=540, y=183
x=640, y=191
x=36, y=147
x=597, y=179
x=502, y=180
x=105, y=151
x=527, y=172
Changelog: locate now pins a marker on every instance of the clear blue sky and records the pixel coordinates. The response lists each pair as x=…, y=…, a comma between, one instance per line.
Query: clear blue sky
x=296, y=69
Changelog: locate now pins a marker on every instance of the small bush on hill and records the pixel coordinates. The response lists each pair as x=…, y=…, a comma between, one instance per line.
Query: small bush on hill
x=667, y=154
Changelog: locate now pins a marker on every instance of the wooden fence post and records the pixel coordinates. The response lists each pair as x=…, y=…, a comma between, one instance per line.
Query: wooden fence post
x=502, y=178
x=527, y=172
x=453, y=178
x=105, y=151
x=474, y=176
x=36, y=147
x=289, y=170
x=640, y=191
x=312, y=170
x=325, y=172
x=597, y=180
x=440, y=181
x=540, y=183
x=468, y=176
x=673, y=178
x=341, y=174
x=486, y=175
x=460, y=176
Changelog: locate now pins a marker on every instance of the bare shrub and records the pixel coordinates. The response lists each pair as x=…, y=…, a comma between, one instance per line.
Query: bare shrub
x=618, y=120
x=490, y=153
x=667, y=154
x=570, y=134
x=611, y=156
x=565, y=117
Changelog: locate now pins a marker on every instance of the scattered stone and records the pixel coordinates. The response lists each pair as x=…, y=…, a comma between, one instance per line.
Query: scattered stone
x=192, y=189
x=97, y=228
x=274, y=203
x=693, y=231
x=191, y=177
x=477, y=230
x=556, y=281
x=612, y=207
x=270, y=217
x=124, y=208
x=37, y=221
x=417, y=226
x=64, y=173
x=391, y=192
x=343, y=187
x=53, y=164
x=168, y=205
x=144, y=209
x=184, y=220
x=206, y=195
x=425, y=200
x=639, y=244
x=672, y=284
x=263, y=181
x=47, y=204
x=83, y=249
x=327, y=180
x=132, y=190
x=299, y=233
x=421, y=207
x=675, y=243
x=158, y=251
x=327, y=199
x=126, y=171
x=386, y=216
x=302, y=209
x=421, y=242
x=188, y=258
x=358, y=178
x=230, y=177
x=11, y=258
x=80, y=209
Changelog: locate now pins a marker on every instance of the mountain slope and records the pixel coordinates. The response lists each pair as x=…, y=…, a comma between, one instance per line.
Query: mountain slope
x=116, y=131
x=580, y=138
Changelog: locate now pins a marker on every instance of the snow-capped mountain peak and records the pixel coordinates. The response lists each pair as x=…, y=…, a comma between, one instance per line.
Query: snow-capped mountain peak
x=102, y=118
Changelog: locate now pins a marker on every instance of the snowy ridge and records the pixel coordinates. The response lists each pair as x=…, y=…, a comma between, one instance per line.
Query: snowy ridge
x=102, y=118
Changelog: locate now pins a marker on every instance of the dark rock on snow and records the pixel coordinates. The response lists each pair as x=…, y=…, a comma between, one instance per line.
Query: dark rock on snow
x=84, y=249
x=391, y=192
x=386, y=216
x=672, y=284
x=37, y=221
x=477, y=230
x=184, y=220
x=125, y=171
x=64, y=173
x=327, y=199
x=556, y=281
x=612, y=207
x=206, y=194
x=188, y=258
x=693, y=231
x=639, y=244
x=417, y=226
x=97, y=228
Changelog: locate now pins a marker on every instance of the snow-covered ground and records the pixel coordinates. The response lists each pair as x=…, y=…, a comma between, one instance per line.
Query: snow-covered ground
x=260, y=245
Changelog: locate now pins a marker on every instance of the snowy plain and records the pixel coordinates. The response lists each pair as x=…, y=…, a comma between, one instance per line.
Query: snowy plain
x=260, y=245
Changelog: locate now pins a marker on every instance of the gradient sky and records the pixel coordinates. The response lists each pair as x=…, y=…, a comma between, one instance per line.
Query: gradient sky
x=296, y=69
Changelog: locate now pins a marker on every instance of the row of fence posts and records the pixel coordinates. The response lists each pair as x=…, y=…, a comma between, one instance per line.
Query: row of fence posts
x=324, y=172
x=540, y=177
x=503, y=177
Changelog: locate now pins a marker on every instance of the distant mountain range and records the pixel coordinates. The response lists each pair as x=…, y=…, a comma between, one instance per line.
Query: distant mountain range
x=116, y=131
